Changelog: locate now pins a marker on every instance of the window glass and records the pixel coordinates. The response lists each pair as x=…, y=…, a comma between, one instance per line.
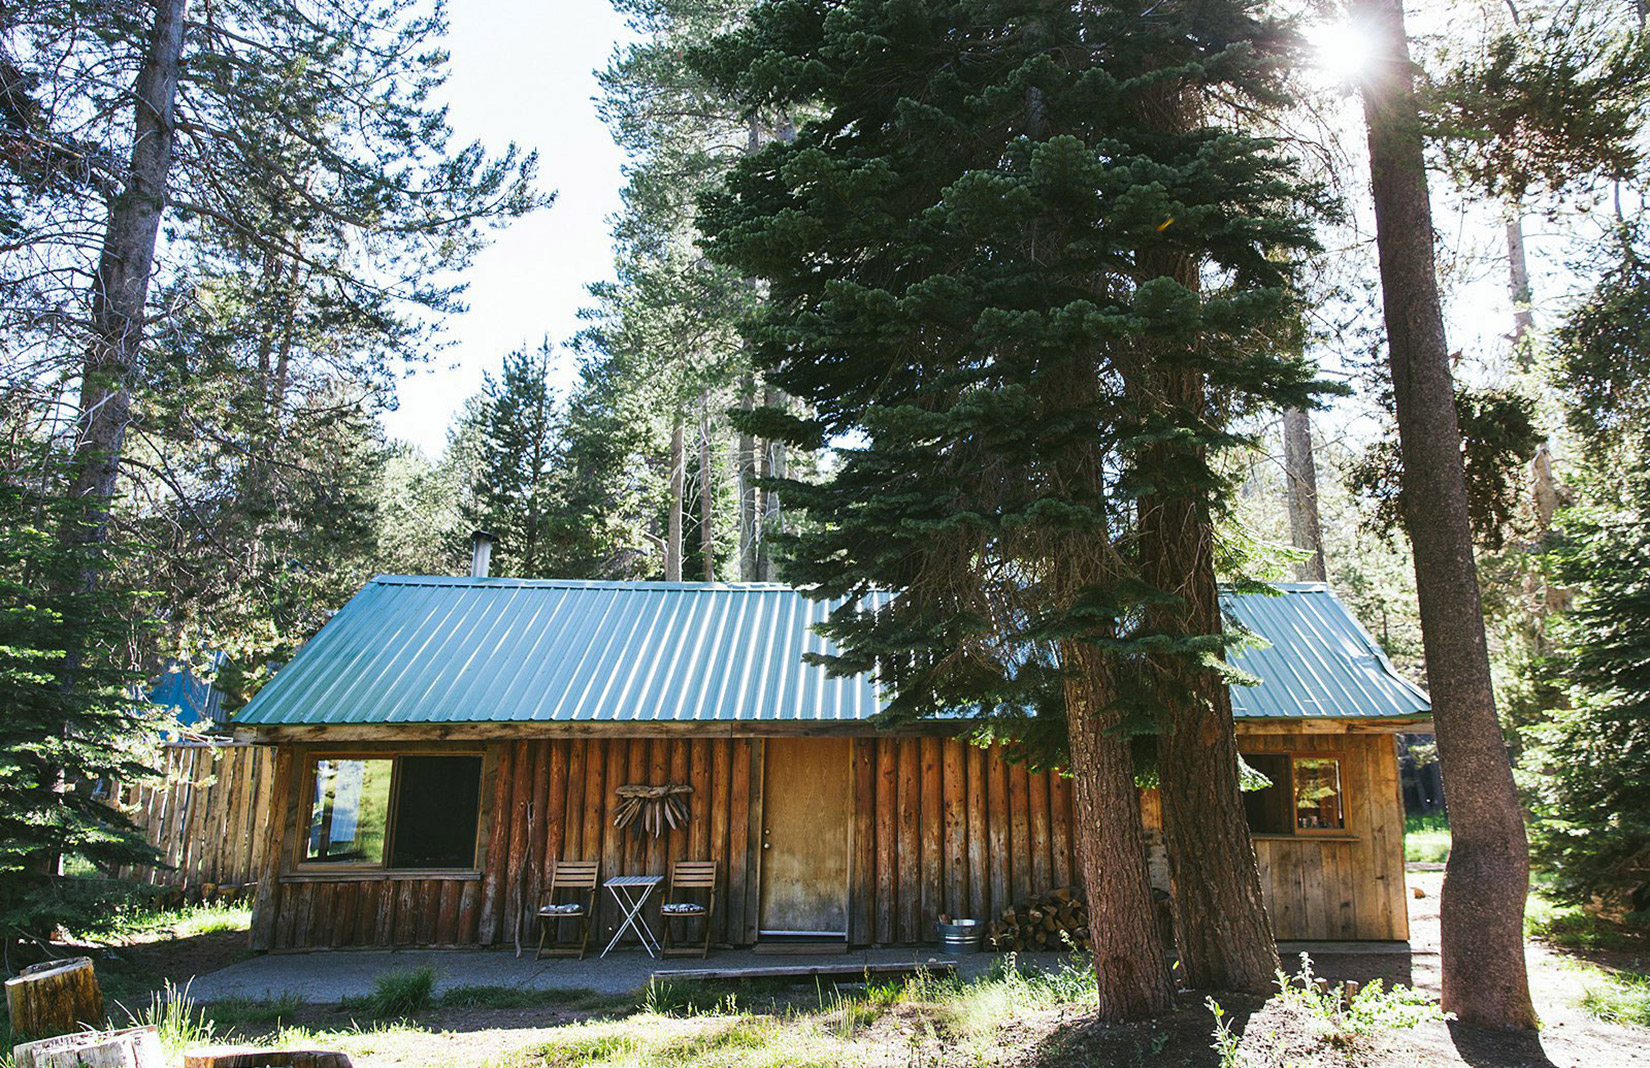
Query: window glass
x=1268, y=807
x=436, y=806
x=349, y=818
x=1318, y=794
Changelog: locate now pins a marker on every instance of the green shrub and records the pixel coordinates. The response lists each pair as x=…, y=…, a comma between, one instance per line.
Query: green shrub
x=402, y=993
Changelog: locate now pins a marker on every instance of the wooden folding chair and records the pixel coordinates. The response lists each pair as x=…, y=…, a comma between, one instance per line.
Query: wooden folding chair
x=688, y=876
x=575, y=875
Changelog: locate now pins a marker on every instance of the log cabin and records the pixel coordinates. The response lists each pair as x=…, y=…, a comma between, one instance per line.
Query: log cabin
x=442, y=743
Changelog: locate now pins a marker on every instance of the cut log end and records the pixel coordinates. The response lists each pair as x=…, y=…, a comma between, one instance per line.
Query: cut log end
x=249, y=1057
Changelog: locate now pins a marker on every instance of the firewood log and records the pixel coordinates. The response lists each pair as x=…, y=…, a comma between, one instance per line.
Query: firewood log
x=134, y=1047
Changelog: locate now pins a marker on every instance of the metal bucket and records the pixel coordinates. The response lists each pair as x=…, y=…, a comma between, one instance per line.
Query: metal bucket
x=960, y=937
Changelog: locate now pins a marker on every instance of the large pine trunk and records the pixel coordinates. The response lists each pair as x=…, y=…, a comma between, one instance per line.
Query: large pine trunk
x=1222, y=929
x=1487, y=877
x=1129, y=962
x=1301, y=485
x=120, y=286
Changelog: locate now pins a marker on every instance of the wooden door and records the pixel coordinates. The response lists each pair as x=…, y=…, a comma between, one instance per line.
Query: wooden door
x=807, y=802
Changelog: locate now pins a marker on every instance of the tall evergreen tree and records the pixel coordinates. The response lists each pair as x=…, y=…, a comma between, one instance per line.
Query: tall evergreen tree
x=1487, y=878
x=962, y=256
x=515, y=491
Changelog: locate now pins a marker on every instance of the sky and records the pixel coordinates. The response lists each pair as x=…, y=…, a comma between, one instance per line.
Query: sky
x=522, y=70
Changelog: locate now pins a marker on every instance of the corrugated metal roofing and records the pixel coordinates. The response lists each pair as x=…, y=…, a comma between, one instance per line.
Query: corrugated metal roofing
x=413, y=649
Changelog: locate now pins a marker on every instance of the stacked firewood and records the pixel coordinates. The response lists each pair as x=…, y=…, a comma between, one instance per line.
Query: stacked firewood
x=651, y=809
x=1053, y=921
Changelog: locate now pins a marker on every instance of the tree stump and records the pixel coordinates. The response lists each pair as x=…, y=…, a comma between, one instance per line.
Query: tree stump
x=54, y=998
x=134, y=1047
x=248, y=1057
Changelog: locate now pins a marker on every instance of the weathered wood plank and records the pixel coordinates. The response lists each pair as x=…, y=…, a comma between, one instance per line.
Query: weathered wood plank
x=572, y=840
x=979, y=852
x=469, y=911
x=933, y=838
x=1060, y=828
x=910, y=848
x=887, y=839
x=721, y=793
x=954, y=828
x=1042, y=860
x=741, y=907
x=1019, y=831
x=700, y=755
x=406, y=912
x=498, y=848
x=555, y=813
x=998, y=817
x=863, y=867
x=265, y=902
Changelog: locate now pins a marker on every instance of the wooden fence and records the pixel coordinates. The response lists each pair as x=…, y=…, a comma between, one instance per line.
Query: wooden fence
x=208, y=817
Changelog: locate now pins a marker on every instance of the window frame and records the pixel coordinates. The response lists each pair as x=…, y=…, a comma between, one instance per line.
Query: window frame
x=1295, y=830
x=303, y=865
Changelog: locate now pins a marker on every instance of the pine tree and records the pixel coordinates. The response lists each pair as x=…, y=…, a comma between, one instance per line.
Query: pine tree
x=963, y=268
x=58, y=741
x=1487, y=878
x=515, y=490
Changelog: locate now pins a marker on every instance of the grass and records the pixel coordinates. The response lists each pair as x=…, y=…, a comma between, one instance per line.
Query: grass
x=1617, y=997
x=143, y=923
x=1573, y=927
x=396, y=995
x=1426, y=839
x=700, y=1025
x=575, y=999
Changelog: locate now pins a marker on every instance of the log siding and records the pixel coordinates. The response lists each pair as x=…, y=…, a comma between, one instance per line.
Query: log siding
x=938, y=828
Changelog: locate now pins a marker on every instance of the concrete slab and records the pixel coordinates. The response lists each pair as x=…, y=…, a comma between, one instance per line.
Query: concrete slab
x=326, y=977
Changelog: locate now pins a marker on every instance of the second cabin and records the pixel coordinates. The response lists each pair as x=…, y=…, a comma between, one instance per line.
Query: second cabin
x=443, y=742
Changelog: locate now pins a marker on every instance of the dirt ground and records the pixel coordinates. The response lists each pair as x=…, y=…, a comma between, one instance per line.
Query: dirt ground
x=1272, y=1034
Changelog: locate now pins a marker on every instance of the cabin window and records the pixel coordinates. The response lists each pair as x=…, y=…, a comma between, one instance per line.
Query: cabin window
x=1307, y=795
x=394, y=812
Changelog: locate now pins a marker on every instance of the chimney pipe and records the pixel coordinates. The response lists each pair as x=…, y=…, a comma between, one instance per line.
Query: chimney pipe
x=481, y=553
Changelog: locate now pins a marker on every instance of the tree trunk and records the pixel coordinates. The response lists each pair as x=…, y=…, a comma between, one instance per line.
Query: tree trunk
x=1129, y=963
x=120, y=288
x=1300, y=474
x=774, y=464
x=132, y=1047
x=673, y=526
x=1487, y=877
x=55, y=998
x=707, y=506
x=1518, y=283
x=747, y=487
x=1222, y=930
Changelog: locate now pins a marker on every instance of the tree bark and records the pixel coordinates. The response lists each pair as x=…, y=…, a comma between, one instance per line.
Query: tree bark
x=56, y=998
x=1130, y=966
x=1300, y=474
x=774, y=465
x=747, y=487
x=120, y=288
x=707, y=506
x=1518, y=283
x=1486, y=879
x=673, y=525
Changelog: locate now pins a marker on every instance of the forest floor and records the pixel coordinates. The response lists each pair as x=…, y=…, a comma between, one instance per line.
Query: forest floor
x=1023, y=1018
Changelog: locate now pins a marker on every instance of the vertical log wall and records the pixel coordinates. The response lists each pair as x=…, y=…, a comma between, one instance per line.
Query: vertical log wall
x=939, y=827
x=207, y=815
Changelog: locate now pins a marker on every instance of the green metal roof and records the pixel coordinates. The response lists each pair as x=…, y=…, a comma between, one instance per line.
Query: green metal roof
x=414, y=649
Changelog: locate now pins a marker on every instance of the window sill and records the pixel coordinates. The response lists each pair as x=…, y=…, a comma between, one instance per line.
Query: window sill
x=1305, y=837
x=362, y=875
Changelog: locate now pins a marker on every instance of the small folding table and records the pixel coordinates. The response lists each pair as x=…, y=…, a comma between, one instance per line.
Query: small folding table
x=632, y=892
